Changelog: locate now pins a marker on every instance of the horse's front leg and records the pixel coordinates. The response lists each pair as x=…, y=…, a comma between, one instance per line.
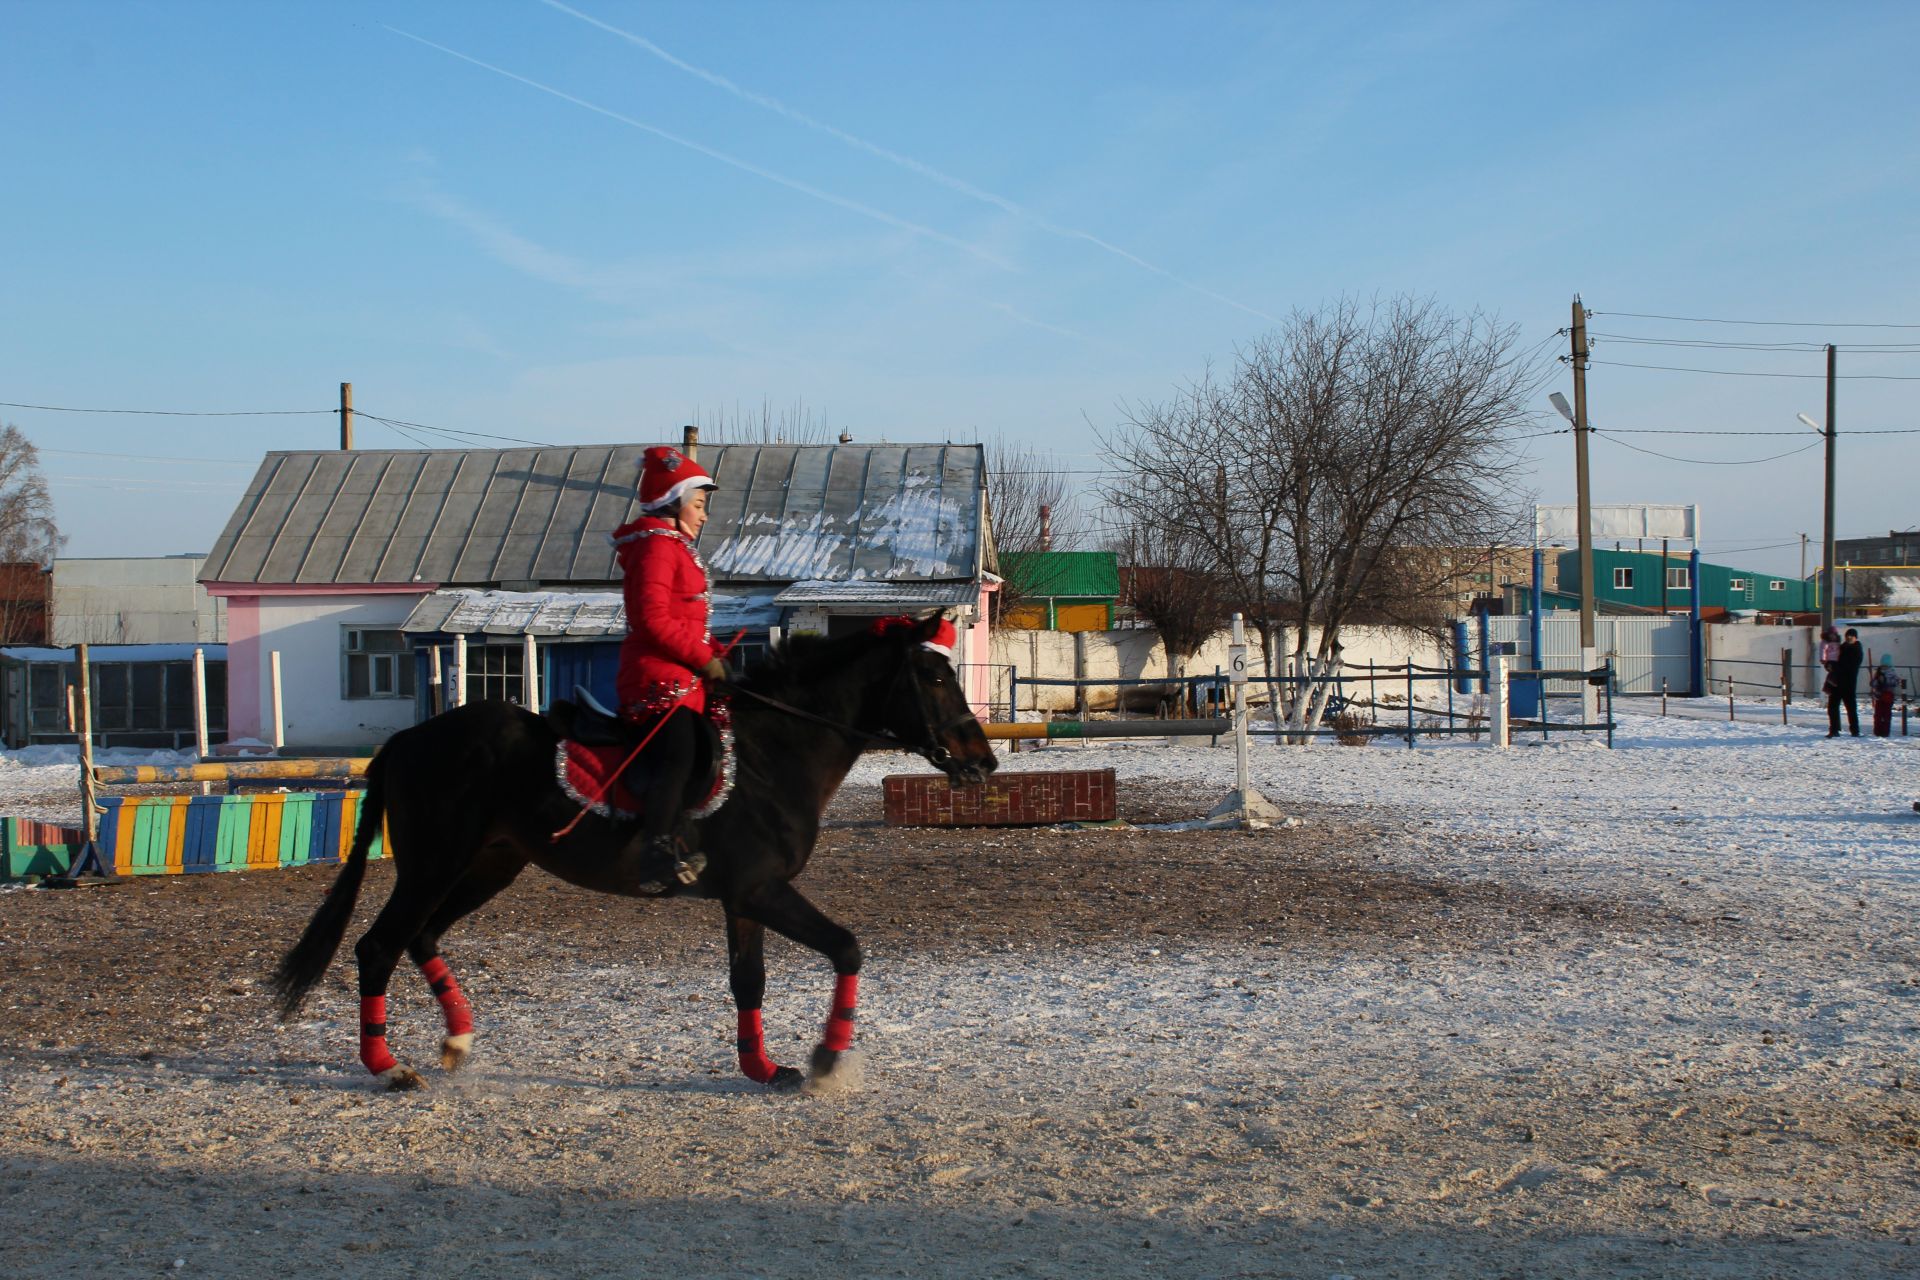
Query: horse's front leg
x=747, y=975
x=781, y=907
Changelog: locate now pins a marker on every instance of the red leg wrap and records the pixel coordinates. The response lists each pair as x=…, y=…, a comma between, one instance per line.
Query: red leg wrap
x=374, y=1054
x=846, y=994
x=453, y=1004
x=754, y=1062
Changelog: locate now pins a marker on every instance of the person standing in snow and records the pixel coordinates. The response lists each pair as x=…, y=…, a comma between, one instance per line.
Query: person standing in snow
x=1886, y=687
x=667, y=657
x=1843, y=682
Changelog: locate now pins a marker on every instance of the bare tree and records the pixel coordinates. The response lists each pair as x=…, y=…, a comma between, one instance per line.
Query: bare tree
x=28, y=539
x=1031, y=508
x=1864, y=587
x=1166, y=578
x=794, y=424
x=1341, y=440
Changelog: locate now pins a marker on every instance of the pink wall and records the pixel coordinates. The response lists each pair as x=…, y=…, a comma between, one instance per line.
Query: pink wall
x=243, y=668
x=979, y=652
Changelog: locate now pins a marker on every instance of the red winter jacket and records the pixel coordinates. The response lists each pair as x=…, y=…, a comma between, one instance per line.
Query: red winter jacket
x=666, y=594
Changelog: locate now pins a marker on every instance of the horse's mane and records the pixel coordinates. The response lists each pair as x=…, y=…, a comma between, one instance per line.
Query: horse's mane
x=802, y=660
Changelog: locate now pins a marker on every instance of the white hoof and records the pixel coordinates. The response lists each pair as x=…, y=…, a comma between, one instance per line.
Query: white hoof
x=454, y=1050
x=398, y=1079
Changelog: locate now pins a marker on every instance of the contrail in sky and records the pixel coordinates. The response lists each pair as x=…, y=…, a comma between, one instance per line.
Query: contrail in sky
x=852, y=206
x=926, y=171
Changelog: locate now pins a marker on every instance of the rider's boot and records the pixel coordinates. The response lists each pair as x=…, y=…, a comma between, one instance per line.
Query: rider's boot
x=668, y=864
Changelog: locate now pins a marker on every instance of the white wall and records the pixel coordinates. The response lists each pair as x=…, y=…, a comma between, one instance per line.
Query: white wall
x=1751, y=655
x=134, y=600
x=307, y=630
x=1139, y=655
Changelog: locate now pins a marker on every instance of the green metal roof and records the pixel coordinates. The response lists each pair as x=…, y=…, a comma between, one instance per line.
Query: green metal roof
x=1077, y=575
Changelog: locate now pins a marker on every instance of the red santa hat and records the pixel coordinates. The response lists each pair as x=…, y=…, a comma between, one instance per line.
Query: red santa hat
x=942, y=642
x=668, y=475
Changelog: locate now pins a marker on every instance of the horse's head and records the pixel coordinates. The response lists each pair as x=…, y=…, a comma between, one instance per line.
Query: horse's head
x=927, y=710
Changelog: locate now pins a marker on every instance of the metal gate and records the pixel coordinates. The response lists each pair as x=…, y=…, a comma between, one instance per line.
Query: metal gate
x=1644, y=650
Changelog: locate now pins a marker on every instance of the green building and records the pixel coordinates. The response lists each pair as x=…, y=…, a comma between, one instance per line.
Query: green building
x=1650, y=581
x=1060, y=590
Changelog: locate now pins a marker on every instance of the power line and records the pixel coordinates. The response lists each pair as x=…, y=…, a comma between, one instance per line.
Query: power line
x=1853, y=348
x=144, y=457
x=1711, y=462
x=172, y=413
x=1738, y=373
x=1779, y=324
x=445, y=431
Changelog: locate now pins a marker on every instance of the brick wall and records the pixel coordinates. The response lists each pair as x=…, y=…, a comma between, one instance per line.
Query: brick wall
x=1008, y=800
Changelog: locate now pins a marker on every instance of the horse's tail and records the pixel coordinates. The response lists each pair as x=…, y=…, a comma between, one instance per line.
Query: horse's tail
x=303, y=966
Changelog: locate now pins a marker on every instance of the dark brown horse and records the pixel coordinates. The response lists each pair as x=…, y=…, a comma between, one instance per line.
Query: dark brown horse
x=470, y=798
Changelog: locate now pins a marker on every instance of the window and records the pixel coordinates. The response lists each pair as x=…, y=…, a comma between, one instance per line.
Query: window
x=1776, y=585
x=494, y=673
x=379, y=664
x=1623, y=579
x=1739, y=585
x=1677, y=578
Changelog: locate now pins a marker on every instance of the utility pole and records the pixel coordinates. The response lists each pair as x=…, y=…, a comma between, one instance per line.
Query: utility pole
x=1826, y=557
x=346, y=415
x=1803, y=557
x=1584, y=501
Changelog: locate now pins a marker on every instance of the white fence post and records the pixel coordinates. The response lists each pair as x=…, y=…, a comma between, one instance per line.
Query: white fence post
x=1497, y=705
x=200, y=702
x=279, y=707
x=530, y=669
x=460, y=670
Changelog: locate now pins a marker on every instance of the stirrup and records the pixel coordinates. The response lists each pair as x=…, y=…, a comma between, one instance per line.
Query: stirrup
x=685, y=868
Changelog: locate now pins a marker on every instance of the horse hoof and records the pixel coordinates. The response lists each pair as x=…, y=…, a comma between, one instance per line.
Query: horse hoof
x=454, y=1050
x=786, y=1080
x=401, y=1079
x=833, y=1072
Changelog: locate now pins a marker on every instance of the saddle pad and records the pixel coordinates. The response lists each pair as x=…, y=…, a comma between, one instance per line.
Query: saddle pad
x=586, y=772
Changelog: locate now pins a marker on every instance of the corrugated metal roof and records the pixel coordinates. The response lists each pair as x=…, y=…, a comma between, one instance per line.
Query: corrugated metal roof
x=925, y=595
x=487, y=517
x=584, y=615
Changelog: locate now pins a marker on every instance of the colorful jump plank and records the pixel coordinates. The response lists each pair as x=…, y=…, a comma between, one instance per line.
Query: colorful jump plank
x=171, y=835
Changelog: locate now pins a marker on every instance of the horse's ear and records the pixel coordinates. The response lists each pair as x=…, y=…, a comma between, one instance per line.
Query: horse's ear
x=929, y=626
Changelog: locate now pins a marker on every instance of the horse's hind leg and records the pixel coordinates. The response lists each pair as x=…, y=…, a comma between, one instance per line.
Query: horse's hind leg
x=468, y=895
x=782, y=908
x=413, y=903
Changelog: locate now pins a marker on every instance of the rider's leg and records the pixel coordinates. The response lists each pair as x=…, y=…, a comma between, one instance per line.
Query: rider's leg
x=658, y=856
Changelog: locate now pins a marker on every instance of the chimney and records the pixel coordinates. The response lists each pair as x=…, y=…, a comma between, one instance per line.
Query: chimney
x=690, y=442
x=1046, y=527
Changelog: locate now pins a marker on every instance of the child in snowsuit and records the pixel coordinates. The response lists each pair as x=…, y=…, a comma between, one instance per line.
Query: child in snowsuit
x=1886, y=687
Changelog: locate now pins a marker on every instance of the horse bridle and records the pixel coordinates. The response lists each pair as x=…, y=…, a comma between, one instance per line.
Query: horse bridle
x=931, y=751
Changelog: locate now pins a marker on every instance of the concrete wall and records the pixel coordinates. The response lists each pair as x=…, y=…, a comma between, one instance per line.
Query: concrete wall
x=1139, y=655
x=307, y=632
x=1751, y=655
x=134, y=600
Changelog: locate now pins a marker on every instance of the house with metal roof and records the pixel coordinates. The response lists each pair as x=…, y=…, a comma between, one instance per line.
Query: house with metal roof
x=361, y=567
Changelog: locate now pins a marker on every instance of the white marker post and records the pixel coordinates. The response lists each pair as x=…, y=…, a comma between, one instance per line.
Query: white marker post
x=530, y=671
x=460, y=670
x=200, y=703
x=1245, y=807
x=279, y=710
x=1499, y=739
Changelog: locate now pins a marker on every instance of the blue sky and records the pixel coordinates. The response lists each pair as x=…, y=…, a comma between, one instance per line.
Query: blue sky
x=931, y=221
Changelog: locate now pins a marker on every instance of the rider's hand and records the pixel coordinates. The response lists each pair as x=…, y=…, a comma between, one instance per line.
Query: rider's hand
x=714, y=670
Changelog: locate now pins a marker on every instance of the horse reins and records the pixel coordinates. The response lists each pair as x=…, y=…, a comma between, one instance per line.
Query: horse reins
x=934, y=754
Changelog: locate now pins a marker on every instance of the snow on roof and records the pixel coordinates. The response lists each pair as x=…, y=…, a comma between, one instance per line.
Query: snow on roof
x=505, y=517
x=573, y=614
x=893, y=594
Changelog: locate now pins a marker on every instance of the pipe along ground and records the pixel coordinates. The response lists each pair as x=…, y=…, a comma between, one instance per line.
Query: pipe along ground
x=1112, y=729
x=222, y=771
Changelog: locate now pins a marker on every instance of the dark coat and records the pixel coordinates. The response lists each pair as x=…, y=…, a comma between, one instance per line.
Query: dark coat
x=1846, y=667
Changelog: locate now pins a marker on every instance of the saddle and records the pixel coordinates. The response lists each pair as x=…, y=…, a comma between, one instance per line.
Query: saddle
x=594, y=742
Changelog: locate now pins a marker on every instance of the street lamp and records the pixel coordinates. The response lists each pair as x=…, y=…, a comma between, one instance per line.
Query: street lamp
x=1826, y=552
